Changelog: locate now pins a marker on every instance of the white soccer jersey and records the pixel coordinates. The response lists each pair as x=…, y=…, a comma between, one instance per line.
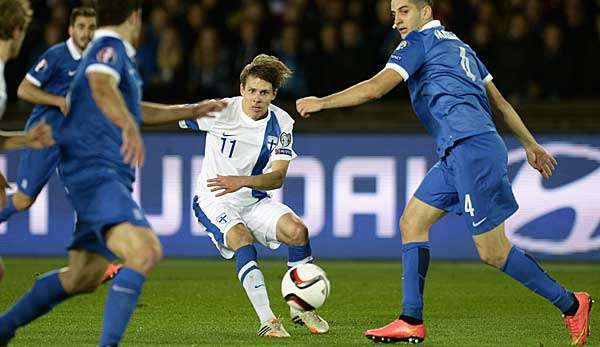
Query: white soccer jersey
x=237, y=145
x=2, y=90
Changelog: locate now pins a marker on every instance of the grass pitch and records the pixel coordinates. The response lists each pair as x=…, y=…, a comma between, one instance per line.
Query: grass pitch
x=201, y=303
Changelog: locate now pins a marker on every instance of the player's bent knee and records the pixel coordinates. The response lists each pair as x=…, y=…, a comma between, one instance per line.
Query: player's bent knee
x=238, y=236
x=298, y=234
x=144, y=258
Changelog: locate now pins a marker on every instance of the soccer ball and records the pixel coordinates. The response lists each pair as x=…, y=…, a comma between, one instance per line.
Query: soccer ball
x=305, y=287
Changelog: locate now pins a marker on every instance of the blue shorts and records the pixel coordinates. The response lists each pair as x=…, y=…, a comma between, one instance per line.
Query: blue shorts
x=99, y=206
x=37, y=166
x=472, y=180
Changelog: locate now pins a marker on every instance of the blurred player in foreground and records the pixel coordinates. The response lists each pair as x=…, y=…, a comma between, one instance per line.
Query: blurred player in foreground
x=451, y=90
x=46, y=85
x=100, y=146
x=247, y=153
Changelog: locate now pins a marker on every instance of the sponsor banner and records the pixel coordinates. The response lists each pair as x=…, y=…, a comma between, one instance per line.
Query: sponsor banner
x=350, y=191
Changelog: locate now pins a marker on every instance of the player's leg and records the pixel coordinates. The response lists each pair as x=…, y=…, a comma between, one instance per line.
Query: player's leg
x=35, y=169
x=291, y=230
x=481, y=173
x=240, y=240
x=141, y=251
x=82, y=276
x=233, y=239
x=432, y=199
x=416, y=220
x=496, y=250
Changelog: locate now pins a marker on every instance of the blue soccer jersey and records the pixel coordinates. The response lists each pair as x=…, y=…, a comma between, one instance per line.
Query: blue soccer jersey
x=90, y=142
x=446, y=81
x=53, y=73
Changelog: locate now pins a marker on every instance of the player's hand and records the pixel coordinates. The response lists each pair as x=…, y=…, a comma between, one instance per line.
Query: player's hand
x=308, y=105
x=63, y=106
x=206, y=107
x=132, y=148
x=40, y=136
x=541, y=160
x=3, y=187
x=226, y=184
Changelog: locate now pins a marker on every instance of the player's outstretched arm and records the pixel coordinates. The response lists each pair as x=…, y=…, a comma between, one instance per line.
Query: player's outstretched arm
x=373, y=88
x=30, y=92
x=40, y=136
x=269, y=181
x=537, y=156
x=109, y=99
x=154, y=114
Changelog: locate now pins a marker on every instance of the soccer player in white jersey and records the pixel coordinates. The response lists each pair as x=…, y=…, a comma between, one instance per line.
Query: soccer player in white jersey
x=15, y=16
x=248, y=151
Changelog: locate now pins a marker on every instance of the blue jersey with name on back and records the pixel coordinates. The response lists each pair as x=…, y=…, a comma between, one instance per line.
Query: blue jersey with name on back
x=446, y=81
x=53, y=73
x=91, y=143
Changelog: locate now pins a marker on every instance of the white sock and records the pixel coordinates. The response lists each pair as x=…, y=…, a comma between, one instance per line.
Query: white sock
x=254, y=284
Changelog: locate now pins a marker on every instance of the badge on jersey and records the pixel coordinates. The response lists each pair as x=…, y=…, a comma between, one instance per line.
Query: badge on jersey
x=285, y=139
x=402, y=45
x=41, y=66
x=107, y=55
x=272, y=142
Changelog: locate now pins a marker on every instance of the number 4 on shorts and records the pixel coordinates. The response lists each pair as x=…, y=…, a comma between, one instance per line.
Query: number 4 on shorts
x=468, y=206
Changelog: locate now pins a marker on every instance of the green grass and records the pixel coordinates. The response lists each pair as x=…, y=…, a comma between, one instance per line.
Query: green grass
x=201, y=303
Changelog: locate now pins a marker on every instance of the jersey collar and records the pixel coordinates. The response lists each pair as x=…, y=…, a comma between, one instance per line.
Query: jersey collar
x=72, y=49
x=111, y=33
x=431, y=24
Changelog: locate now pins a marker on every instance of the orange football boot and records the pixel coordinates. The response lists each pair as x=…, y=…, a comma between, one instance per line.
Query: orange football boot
x=397, y=331
x=579, y=324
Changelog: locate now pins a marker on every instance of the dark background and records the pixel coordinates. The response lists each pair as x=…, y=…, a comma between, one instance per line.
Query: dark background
x=544, y=54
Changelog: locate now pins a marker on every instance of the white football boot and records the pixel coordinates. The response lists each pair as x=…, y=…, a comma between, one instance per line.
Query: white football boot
x=273, y=328
x=310, y=319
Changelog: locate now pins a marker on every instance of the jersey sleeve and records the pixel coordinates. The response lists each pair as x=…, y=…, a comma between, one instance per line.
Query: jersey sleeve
x=408, y=57
x=205, y=123
x=486, y=76
x=284, y=148
x=108, y=57
x=200, y=124
x=42, y=71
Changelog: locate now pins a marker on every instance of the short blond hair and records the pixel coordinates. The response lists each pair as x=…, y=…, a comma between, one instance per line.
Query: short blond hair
x=268, y=68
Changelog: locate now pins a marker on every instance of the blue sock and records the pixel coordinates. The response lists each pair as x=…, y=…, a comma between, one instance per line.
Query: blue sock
x=46, y=292
x=243, y=258
x=120, y=303
x=522, y=267
x=299, y=255
x=8, y=211
x=415, y=261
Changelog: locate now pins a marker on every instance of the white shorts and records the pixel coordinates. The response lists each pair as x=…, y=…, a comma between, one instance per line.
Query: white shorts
x=218, y=216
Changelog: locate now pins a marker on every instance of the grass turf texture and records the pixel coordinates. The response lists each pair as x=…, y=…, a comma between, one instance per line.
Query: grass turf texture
x=201, y=303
